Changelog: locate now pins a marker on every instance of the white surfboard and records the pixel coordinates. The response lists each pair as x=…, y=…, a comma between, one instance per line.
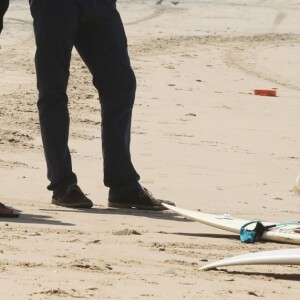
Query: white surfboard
x=276, y=257
x=283, y=234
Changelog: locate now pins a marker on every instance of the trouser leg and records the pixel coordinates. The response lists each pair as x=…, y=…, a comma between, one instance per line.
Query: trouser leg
x=3, y=8
x=102, y=44
x=55, y=27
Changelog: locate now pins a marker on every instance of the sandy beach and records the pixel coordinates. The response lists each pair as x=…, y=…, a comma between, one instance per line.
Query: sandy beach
x=200, y=137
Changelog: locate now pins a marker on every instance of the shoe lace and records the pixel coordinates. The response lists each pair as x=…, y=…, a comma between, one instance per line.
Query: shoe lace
x=144, y=193
x=74, y=187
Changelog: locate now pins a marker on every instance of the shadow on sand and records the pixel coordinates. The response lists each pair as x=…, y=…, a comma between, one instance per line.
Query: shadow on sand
x=161, y=215
x=285, y=276
x=35, y=219
x=208, y=235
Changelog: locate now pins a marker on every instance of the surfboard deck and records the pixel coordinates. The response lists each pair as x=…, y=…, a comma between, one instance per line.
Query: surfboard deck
x=275, y=257
x=285, y=234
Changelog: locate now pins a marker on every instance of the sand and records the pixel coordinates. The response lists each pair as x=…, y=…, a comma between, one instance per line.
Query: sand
x=199, y=137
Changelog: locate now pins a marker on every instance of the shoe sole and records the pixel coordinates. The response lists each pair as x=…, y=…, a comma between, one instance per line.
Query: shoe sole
x=77, y=205
x=145, y=207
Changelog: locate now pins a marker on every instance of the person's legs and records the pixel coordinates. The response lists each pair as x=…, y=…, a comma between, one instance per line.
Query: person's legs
x=55, y=26
x=102, y=44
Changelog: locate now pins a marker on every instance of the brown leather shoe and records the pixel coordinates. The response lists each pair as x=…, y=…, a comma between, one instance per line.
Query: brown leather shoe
x=72, y=197
x=139, y=198
x=7, y=212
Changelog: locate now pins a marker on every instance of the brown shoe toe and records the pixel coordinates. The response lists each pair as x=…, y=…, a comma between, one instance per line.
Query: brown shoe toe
x=72, y=197
x=139, y=198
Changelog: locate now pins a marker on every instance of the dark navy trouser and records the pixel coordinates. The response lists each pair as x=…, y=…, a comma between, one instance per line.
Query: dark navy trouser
x=95, y=28
x=3, y=8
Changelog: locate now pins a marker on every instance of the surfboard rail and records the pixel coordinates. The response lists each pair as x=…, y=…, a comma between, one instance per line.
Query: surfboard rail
x=275, y=257
x=284, y=234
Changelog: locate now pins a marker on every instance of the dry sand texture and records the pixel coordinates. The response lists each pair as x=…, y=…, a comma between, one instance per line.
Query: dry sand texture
x=200, y=137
